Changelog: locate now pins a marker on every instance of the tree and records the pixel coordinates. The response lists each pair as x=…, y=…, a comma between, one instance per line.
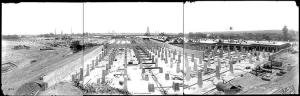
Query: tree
x=191, y=35
x=162, y=34
x=180, y=35
x=266, y=37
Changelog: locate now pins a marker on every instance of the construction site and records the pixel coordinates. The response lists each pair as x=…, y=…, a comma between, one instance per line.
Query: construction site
x=103, y=49
x=143, y=65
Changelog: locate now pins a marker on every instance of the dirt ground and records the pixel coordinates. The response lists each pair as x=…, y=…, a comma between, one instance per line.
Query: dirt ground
x=291, y=78
x=27, y=71
x=62, y=88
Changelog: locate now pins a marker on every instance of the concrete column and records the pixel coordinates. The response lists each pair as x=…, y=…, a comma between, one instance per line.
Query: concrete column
x=257, y=57
x=213, y=53
x=229, y=55
x=97, y=59
x=218, y=72
x=208, y=61
x=230, y=66
x=125, y=58
x=166, y=57
x=174, y=54
x=99, y=81
x=103, y=76
x=219, y=62
x=221, y=53
x=167, y=76
x=188, y=74
x=178, y=67
x=156, y=62
x=152, y=57
x=107, y=66
x=77, y=75
x=166, y=60
x=264, y=53
x=155, y=51
x=205, y=67
x=170, y=51
x=146, y=78
x=186, y=60
x=179, y=58
x=87, y=70
x=228, y=48
x=81, y=74
x=125, y=80
x=200, y=82
x=195, y=65
x=166, y=52
x=162, y=56
x=193, y=57
x=158, y=53
x=171, y=63
x=73, y=77
x=93, y=65
x=250, y=59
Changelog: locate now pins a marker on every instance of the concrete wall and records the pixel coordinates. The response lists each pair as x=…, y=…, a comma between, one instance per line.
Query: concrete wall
x=69, y=68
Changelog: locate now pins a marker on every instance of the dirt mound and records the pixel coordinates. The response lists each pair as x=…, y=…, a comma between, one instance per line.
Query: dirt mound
x=18, y=47
x=30, y=88
x=62, y=88
x=7, y=67
x=104, y=89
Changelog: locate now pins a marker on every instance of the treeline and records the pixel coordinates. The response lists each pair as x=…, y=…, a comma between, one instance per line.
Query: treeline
x=10, y=37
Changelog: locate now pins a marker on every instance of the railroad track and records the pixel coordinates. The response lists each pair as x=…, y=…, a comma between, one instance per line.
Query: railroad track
x=211, y=91
x=162, y=90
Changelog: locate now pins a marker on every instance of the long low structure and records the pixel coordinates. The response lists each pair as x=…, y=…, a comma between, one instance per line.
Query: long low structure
x=250, y=45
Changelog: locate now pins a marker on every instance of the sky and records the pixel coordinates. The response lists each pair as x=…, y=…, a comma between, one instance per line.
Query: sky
x=243, y=15
x=37, y=18
x=135, y=17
